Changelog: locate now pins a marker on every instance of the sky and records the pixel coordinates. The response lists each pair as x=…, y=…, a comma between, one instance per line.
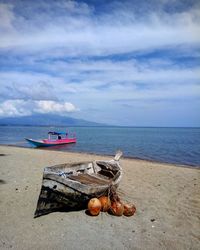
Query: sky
x=129, y=63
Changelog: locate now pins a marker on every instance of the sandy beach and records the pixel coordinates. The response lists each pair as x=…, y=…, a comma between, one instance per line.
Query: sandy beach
x=167, y=198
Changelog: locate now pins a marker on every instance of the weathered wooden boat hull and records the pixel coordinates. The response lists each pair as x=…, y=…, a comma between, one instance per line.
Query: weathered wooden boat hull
x=54, y=201
x=69, y=187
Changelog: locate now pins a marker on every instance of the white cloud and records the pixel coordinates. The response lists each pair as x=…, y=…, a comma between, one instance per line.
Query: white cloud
x=14, y=108
x=10, y=108
x=53, y=107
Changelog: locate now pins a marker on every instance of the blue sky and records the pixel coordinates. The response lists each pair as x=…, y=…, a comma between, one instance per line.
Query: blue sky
x=133, y=63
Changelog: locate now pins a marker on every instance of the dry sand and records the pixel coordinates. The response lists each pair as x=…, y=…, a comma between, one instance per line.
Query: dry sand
x=167, y=198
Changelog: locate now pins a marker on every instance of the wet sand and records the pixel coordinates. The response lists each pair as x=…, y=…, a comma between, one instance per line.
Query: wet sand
x=167, y=198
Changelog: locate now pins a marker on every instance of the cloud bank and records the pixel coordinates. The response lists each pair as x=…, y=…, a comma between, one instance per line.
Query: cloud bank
x=78, y=32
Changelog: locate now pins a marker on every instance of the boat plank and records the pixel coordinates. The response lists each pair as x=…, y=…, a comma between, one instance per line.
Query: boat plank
x=89, y=179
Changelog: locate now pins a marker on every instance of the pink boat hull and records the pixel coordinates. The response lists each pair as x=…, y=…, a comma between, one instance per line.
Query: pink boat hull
x=61, y=141
x=48, y=143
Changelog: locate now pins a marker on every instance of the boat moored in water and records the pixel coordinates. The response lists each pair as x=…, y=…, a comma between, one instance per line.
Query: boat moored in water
x=61, y=138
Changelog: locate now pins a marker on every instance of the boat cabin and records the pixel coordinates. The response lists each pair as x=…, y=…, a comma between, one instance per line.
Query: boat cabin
x=58, y=135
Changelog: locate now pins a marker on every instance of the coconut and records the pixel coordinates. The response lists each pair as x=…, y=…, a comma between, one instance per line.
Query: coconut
x=129, y=209
x=105, y=203
x=117, y=208
x=94, y=206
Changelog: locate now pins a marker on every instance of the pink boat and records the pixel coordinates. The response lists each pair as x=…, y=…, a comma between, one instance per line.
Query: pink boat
x=61, y=138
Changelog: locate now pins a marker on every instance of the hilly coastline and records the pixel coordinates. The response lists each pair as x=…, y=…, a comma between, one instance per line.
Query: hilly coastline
x=46, y=120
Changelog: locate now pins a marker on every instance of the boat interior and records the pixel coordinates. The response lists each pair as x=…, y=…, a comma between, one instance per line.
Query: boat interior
x=92, y=173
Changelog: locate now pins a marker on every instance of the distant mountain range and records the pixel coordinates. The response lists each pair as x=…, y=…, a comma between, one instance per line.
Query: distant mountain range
x=46, y=120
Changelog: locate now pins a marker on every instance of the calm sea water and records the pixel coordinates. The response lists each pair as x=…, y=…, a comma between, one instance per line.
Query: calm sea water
x=170, y=145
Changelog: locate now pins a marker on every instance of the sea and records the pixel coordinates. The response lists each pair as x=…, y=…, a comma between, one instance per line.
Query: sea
x=180, y=146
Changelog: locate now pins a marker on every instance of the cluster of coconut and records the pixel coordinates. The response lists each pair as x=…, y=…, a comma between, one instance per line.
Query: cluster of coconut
x=113, y=206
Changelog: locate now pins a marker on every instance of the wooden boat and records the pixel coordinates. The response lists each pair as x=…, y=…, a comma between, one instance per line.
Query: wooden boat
x=68, y=187
x=61, y=138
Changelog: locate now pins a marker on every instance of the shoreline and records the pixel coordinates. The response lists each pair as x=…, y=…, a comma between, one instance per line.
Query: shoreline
x=108, y=155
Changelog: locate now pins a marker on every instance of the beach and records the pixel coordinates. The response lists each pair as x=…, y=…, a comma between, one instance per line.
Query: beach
x=166, y=197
